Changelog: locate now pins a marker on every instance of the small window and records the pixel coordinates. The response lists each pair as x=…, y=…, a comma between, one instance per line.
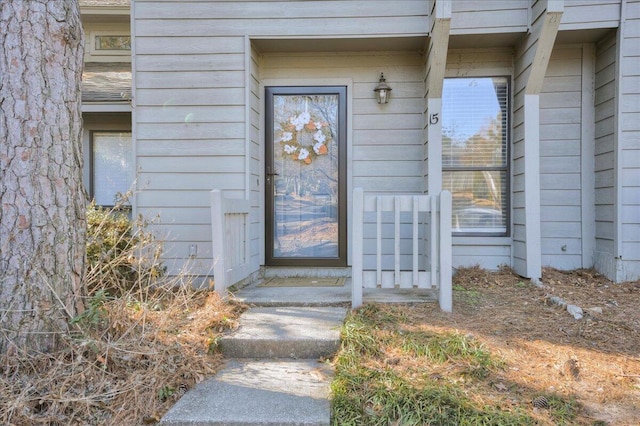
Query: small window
x=475, y=123
x=111, y=166
x=110, y=43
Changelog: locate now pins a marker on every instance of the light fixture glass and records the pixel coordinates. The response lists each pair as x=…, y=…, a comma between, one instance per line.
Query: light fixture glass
x=382, y=90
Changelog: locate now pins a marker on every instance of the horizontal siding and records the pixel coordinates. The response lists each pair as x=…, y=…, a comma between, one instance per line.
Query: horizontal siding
x=629, y=138
x=467, y=252
x=472, y=16
x=605, y=108
x=265, y=18
x=386, y=146
x=579, y=14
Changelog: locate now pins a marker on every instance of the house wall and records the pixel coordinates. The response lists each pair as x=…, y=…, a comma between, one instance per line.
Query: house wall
x=488, y=252
x=629, y=144
x=489, y=16
x=197, y=82
x=605, y=176
x=560, y=159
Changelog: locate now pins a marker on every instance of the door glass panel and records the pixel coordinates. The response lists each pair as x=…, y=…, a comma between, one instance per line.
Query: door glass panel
x=305, y=176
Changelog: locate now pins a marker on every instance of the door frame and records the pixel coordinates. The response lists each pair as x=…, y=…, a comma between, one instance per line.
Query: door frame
x=343, y=178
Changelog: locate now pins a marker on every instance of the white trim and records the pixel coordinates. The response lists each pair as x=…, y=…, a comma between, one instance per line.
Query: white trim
x=132, y=105
x=434, y=146
x=587, y=155
x=247, y=118
x=532, y=187
x=107, y=107
x=482, y=241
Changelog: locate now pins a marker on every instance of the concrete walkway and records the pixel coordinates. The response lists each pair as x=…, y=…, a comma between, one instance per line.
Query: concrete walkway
x=275, y=374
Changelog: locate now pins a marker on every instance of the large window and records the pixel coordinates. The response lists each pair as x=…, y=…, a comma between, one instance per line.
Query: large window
x=111, y=166
x=475, y=157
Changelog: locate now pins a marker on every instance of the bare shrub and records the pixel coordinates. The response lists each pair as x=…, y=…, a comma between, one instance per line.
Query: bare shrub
x=143, y=339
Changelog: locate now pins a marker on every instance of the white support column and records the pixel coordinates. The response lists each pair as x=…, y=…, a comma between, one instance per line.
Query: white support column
x=218, y=242
x=445, y=292
x=357, y=249
x=435, y=145
x=532, y=186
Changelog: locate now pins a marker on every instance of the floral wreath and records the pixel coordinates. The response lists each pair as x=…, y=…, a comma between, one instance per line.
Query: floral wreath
x=301, y=129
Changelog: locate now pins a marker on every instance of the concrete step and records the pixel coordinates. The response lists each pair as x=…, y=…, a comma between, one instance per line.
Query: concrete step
x=285, y=332
x=258, y=393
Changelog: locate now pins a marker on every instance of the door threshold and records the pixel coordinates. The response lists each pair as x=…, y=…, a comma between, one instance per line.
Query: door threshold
x=304, y=271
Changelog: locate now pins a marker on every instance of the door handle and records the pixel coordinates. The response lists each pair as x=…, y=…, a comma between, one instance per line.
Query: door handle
x=270, y=173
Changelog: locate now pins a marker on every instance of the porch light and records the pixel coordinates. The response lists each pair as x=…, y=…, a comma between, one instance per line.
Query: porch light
x=383, y=91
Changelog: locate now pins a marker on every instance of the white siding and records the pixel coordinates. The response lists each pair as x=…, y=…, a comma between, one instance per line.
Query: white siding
x=605, y=105
x=468, y=251
x=560, y=160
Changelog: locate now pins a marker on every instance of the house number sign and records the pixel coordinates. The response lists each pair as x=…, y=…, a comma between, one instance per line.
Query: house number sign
x=433, y=118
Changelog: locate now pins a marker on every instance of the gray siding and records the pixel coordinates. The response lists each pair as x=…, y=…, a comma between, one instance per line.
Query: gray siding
x=280, y=18
x=489, y=16
x=629, y=141
x=197, y=87
x=387, y=140
x=605, y=105
x=590, y=13
x=190, y=137
x=560, y=159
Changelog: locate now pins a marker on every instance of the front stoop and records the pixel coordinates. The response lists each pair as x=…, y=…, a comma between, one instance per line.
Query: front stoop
x=274, y=376
x=286, y=332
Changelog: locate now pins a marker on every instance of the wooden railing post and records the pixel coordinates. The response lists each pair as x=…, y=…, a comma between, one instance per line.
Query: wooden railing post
x=357, y=252
x=445, y=296
x=218, y=242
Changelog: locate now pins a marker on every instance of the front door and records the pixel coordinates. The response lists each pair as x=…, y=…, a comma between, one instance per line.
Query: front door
x=306, y=217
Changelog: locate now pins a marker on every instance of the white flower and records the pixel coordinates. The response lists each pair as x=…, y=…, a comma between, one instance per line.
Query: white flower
x=303, y=154
x=317, y=147
x=301, y=120
x=286, y=136
x=290, y=149
x=318, y=125
x=319, y=136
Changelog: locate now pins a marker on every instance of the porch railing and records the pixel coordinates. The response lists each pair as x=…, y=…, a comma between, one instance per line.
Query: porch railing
x=230, y=237
x=402, y=241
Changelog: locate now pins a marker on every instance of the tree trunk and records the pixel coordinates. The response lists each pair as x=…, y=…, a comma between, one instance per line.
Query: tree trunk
x=42, y=212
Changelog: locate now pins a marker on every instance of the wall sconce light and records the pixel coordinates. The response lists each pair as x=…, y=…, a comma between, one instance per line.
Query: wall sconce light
x=383, y=91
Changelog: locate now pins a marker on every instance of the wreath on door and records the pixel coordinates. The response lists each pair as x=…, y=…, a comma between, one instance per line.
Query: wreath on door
x=304, y=138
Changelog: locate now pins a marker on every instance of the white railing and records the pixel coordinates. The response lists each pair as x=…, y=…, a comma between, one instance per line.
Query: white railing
x=230, y=237
x=402, y=241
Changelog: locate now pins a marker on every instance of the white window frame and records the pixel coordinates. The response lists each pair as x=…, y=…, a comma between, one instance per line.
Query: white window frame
x=107, y=33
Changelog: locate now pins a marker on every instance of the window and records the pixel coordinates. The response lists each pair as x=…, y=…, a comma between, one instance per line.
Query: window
x=110, y=43
x=111, y=166
x=475, y=123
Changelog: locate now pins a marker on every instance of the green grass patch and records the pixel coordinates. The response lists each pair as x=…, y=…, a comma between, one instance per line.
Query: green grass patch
x=368, y=390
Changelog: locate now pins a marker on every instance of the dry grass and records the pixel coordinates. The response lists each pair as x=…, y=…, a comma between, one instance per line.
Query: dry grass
x=588, y=370
x=128, y=358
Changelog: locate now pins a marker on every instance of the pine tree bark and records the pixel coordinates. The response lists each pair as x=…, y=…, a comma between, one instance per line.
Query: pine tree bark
x=42, y=211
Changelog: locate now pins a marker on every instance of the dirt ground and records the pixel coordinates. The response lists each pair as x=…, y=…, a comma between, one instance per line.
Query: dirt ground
x=594, y=360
